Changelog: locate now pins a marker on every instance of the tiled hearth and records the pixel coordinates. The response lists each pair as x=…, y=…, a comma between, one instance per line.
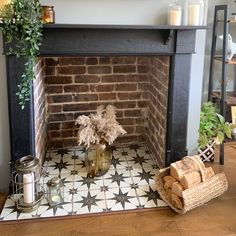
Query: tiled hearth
x=128, y=185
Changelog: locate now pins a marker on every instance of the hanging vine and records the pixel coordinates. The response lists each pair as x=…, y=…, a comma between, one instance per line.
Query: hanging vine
x=22, y=28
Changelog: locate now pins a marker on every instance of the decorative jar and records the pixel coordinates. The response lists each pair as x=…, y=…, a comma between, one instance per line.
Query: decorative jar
x=98, y=160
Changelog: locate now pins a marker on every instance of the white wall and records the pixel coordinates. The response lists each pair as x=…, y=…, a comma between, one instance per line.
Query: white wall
x=4, y=127
x=107, y=12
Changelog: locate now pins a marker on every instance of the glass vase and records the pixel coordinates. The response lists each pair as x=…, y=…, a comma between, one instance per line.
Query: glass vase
x=98, y=160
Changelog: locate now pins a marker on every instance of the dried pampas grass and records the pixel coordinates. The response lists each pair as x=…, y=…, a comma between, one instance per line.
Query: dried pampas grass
x=99, y=127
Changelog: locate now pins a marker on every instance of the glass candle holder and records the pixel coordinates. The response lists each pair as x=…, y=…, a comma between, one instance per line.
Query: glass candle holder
x=55, y=191
x=174, y=14
x=196, y=12
x=48, y=14
x=3, y=4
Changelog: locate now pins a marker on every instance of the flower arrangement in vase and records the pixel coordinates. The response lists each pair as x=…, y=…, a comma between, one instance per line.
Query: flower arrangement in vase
x=97, y=132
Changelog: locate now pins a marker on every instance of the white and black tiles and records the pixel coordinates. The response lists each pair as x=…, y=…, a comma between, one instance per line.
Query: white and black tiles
x=128, y=185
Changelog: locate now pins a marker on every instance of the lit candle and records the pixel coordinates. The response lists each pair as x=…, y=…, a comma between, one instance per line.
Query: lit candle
x=28, y=188
x=175, y=17
x=194, y=14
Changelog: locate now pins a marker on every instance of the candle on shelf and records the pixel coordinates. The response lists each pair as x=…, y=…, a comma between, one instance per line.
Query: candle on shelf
x=194, y=14
x=174, y=15
x=28, y=188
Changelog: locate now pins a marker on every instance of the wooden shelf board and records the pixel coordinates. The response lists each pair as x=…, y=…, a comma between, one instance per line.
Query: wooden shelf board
x=230, y=97
x=231, y=62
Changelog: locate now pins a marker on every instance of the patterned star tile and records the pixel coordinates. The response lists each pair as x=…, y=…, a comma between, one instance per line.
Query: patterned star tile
x=128, y=152
x=143, y=176
x=118, y=179
x=129, y=184
x=87, y=183
x=149, y=197
x=121, y=198
x=87, y=202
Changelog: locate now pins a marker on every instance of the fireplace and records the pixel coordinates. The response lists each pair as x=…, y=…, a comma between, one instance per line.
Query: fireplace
x=143, y=70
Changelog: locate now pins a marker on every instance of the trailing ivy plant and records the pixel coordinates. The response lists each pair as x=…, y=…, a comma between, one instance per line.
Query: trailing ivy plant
x=22, y=28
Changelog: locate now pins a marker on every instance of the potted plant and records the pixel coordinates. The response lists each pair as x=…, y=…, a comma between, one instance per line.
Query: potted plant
x=213, y=129
x=96, y=133
x=22, y=30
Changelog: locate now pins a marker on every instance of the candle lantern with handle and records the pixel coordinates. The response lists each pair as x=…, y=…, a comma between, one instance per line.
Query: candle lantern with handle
x=55, y=191
x=27, y=192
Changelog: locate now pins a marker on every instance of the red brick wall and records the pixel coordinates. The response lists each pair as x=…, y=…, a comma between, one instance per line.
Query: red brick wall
x=40, y=109
x=75, y=86
x=136, y=86
x=157, y=112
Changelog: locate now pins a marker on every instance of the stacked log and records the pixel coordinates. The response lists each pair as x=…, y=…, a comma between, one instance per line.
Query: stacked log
x=185, y=174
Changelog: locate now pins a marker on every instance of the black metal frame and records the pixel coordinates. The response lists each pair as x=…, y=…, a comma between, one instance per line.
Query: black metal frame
x=225, y=10
x=86, y=40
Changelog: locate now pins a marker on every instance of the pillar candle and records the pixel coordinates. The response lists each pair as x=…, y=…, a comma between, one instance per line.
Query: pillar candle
x=28, y=188
x=194, y=14
x=175, y=17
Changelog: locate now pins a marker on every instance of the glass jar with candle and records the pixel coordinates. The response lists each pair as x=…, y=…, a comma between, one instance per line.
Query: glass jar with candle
x=48, y=14
x=174, y=14
x=27, y=192
x=55, y=191
x=196, y=12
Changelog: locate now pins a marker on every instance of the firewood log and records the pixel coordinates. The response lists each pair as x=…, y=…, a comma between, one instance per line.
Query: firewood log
x=168, y=181
x=179, y=168
x=177, y=189
x=168, y=194
x=190, y=179
x=209, y=172
x=177, y=201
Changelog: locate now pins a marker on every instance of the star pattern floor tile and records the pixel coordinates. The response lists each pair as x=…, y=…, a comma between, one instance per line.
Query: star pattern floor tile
x=128, y=185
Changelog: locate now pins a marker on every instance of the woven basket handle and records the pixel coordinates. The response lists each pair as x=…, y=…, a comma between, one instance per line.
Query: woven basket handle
x=201, y=169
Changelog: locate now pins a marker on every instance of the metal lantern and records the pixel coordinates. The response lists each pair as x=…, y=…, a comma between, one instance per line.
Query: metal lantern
x=26, y=187
x=55, y=191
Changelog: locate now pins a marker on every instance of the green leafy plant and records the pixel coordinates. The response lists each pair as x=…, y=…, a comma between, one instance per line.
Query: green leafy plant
x=212, y=126
x=22, y=28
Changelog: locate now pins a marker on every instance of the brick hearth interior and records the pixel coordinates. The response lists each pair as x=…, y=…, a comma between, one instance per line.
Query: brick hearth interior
x=67, y=87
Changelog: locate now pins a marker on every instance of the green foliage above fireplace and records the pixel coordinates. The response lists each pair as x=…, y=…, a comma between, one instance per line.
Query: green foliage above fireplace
x=22, y=29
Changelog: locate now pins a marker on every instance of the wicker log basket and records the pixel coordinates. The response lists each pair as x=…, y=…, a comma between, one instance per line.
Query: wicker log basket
x=196, y=195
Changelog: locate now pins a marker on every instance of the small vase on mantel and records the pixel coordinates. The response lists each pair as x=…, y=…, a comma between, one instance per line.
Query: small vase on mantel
x=98, y=160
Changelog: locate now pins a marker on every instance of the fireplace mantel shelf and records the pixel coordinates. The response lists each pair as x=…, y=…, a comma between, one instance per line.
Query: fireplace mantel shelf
x=141, y=27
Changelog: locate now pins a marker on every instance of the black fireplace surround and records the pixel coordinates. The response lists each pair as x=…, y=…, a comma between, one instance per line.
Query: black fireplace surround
x=178, y=42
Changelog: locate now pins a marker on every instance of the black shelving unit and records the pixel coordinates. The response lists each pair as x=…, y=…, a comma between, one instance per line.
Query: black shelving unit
x=222, y=21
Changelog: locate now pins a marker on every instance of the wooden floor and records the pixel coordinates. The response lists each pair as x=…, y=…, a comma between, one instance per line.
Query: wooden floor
x=216, y=218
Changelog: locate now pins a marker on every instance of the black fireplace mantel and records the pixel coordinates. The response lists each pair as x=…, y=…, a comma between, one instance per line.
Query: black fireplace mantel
x=116, y=40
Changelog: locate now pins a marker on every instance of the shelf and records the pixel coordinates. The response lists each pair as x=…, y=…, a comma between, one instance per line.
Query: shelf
x=231, y=62
x=230, y=97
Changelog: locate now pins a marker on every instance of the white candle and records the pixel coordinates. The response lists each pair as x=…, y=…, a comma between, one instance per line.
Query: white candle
x=175, y=17
x=28, y=188
x=56, y=199
x=194, y=14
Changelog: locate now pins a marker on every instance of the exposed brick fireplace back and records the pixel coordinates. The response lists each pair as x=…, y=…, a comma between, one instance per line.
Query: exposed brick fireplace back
x=136, y=86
